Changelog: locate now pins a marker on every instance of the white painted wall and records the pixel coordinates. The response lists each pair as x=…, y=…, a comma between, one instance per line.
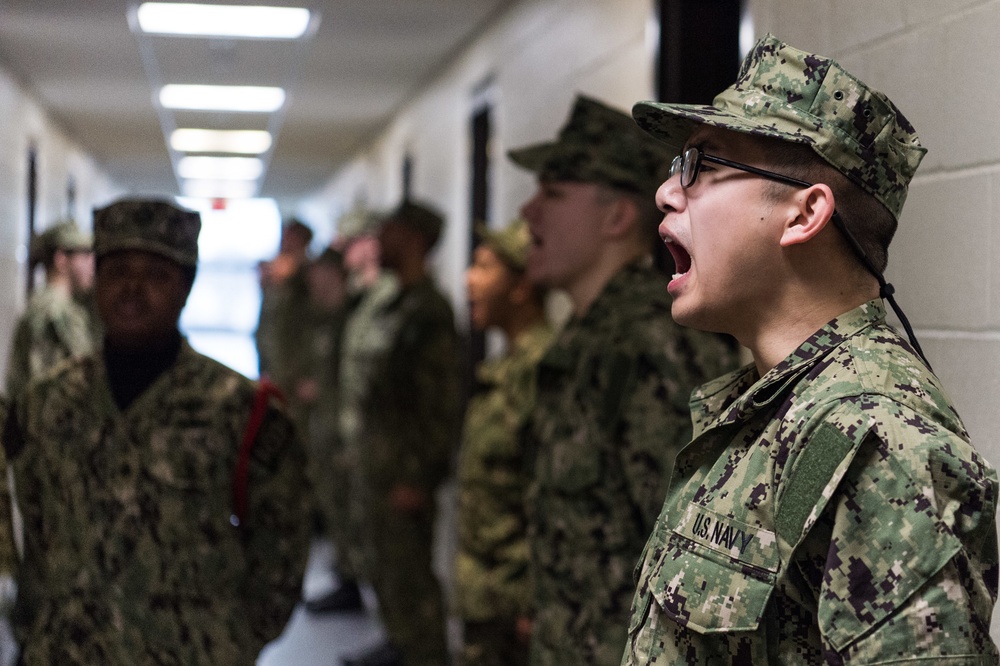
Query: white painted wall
x=58, y=160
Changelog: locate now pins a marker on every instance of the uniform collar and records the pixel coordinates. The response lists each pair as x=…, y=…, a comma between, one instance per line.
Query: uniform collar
x=739, y=395
x=620, y=284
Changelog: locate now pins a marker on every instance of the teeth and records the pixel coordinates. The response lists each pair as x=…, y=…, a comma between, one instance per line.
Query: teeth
x=677, y=275
x=668, y=240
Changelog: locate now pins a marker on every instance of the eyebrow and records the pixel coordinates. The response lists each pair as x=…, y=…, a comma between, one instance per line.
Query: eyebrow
x=704, y=144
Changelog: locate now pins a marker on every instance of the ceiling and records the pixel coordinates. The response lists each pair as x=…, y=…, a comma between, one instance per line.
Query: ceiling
x=95, y=77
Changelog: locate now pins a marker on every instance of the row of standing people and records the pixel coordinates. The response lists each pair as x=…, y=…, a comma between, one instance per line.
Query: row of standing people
x=568, y=438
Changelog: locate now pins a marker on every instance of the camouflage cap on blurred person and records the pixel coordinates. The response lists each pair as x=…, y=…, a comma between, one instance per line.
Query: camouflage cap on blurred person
x=63, y=235
x=599, y=144
x=148, y=224
x=511, y=244
x=358, y=221
x=420, y=217
x=788, y=94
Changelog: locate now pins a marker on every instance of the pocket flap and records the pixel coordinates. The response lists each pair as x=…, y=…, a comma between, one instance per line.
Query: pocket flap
x=700, y=590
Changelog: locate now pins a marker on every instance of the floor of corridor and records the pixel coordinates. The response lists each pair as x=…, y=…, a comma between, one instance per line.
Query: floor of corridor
x=322, y=640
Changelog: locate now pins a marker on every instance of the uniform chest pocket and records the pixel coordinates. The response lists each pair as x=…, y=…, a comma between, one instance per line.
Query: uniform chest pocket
x=709, y=593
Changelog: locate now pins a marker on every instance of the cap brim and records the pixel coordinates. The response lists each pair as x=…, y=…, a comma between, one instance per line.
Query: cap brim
x=144, y=245
x=533, y=158
x=674, y=123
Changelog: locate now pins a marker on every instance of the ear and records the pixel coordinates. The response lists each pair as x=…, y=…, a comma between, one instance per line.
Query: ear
x=622, y=216
x=811, y=210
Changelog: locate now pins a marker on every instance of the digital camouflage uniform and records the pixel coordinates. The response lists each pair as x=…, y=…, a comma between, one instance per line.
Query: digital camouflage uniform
x=832, y=511
x=491, y=565
x=611, y=410
x=364, y=343
x=611, y=414
x=130, y=555
x=54, y=325
x=53, y=328
x=284, y=335
x=410, y=423
x=328, y=471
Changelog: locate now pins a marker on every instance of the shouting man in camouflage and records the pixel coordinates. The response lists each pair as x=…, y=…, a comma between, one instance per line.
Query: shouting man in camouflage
x=830, y=508
x=611, y=408
x=126, y=473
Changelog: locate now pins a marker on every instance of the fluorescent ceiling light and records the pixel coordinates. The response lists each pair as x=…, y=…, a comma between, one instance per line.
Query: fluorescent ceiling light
x=260, y=99
x=223, y=20
x=245, y=142
x=219, y=189
x=220, y=168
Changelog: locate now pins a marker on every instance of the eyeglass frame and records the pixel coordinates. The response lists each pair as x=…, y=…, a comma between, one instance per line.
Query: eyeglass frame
x=886, y=290
x=677, y=166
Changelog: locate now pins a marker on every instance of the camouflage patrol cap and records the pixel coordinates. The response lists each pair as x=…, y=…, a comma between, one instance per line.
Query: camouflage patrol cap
x=510, y=244
x=788, y=94
x=63, y=235
x=150, y=225
x=356, y=222
x=599, y=144
x=420, y=217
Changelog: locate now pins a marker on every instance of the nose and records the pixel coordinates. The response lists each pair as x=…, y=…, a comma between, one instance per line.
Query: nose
x=530, y=207
x=670, y=195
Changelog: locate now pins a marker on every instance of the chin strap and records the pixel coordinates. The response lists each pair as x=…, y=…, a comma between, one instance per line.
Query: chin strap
x=886, y=290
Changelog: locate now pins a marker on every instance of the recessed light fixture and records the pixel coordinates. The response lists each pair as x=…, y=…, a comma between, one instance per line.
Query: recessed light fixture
x=249, y=99
x=199, y=20
x=219, y=189
x=220, y=168
x=244, y=142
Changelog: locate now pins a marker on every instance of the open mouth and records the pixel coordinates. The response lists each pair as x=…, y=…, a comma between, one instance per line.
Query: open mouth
x=682, y=260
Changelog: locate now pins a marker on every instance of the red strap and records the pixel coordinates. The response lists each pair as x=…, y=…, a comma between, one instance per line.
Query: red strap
x=265, y=389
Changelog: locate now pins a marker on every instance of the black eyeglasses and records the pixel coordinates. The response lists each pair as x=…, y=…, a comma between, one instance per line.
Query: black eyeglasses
x=688, y=166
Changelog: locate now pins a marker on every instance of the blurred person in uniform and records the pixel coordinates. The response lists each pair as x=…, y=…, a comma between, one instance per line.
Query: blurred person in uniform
x=410, y=420
x=611, y=408
x=831, y=508
x=363, y=342
x=327, y=280
x=491, y=566
x=56, y=325
x=284, y=305
x=130, y=473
